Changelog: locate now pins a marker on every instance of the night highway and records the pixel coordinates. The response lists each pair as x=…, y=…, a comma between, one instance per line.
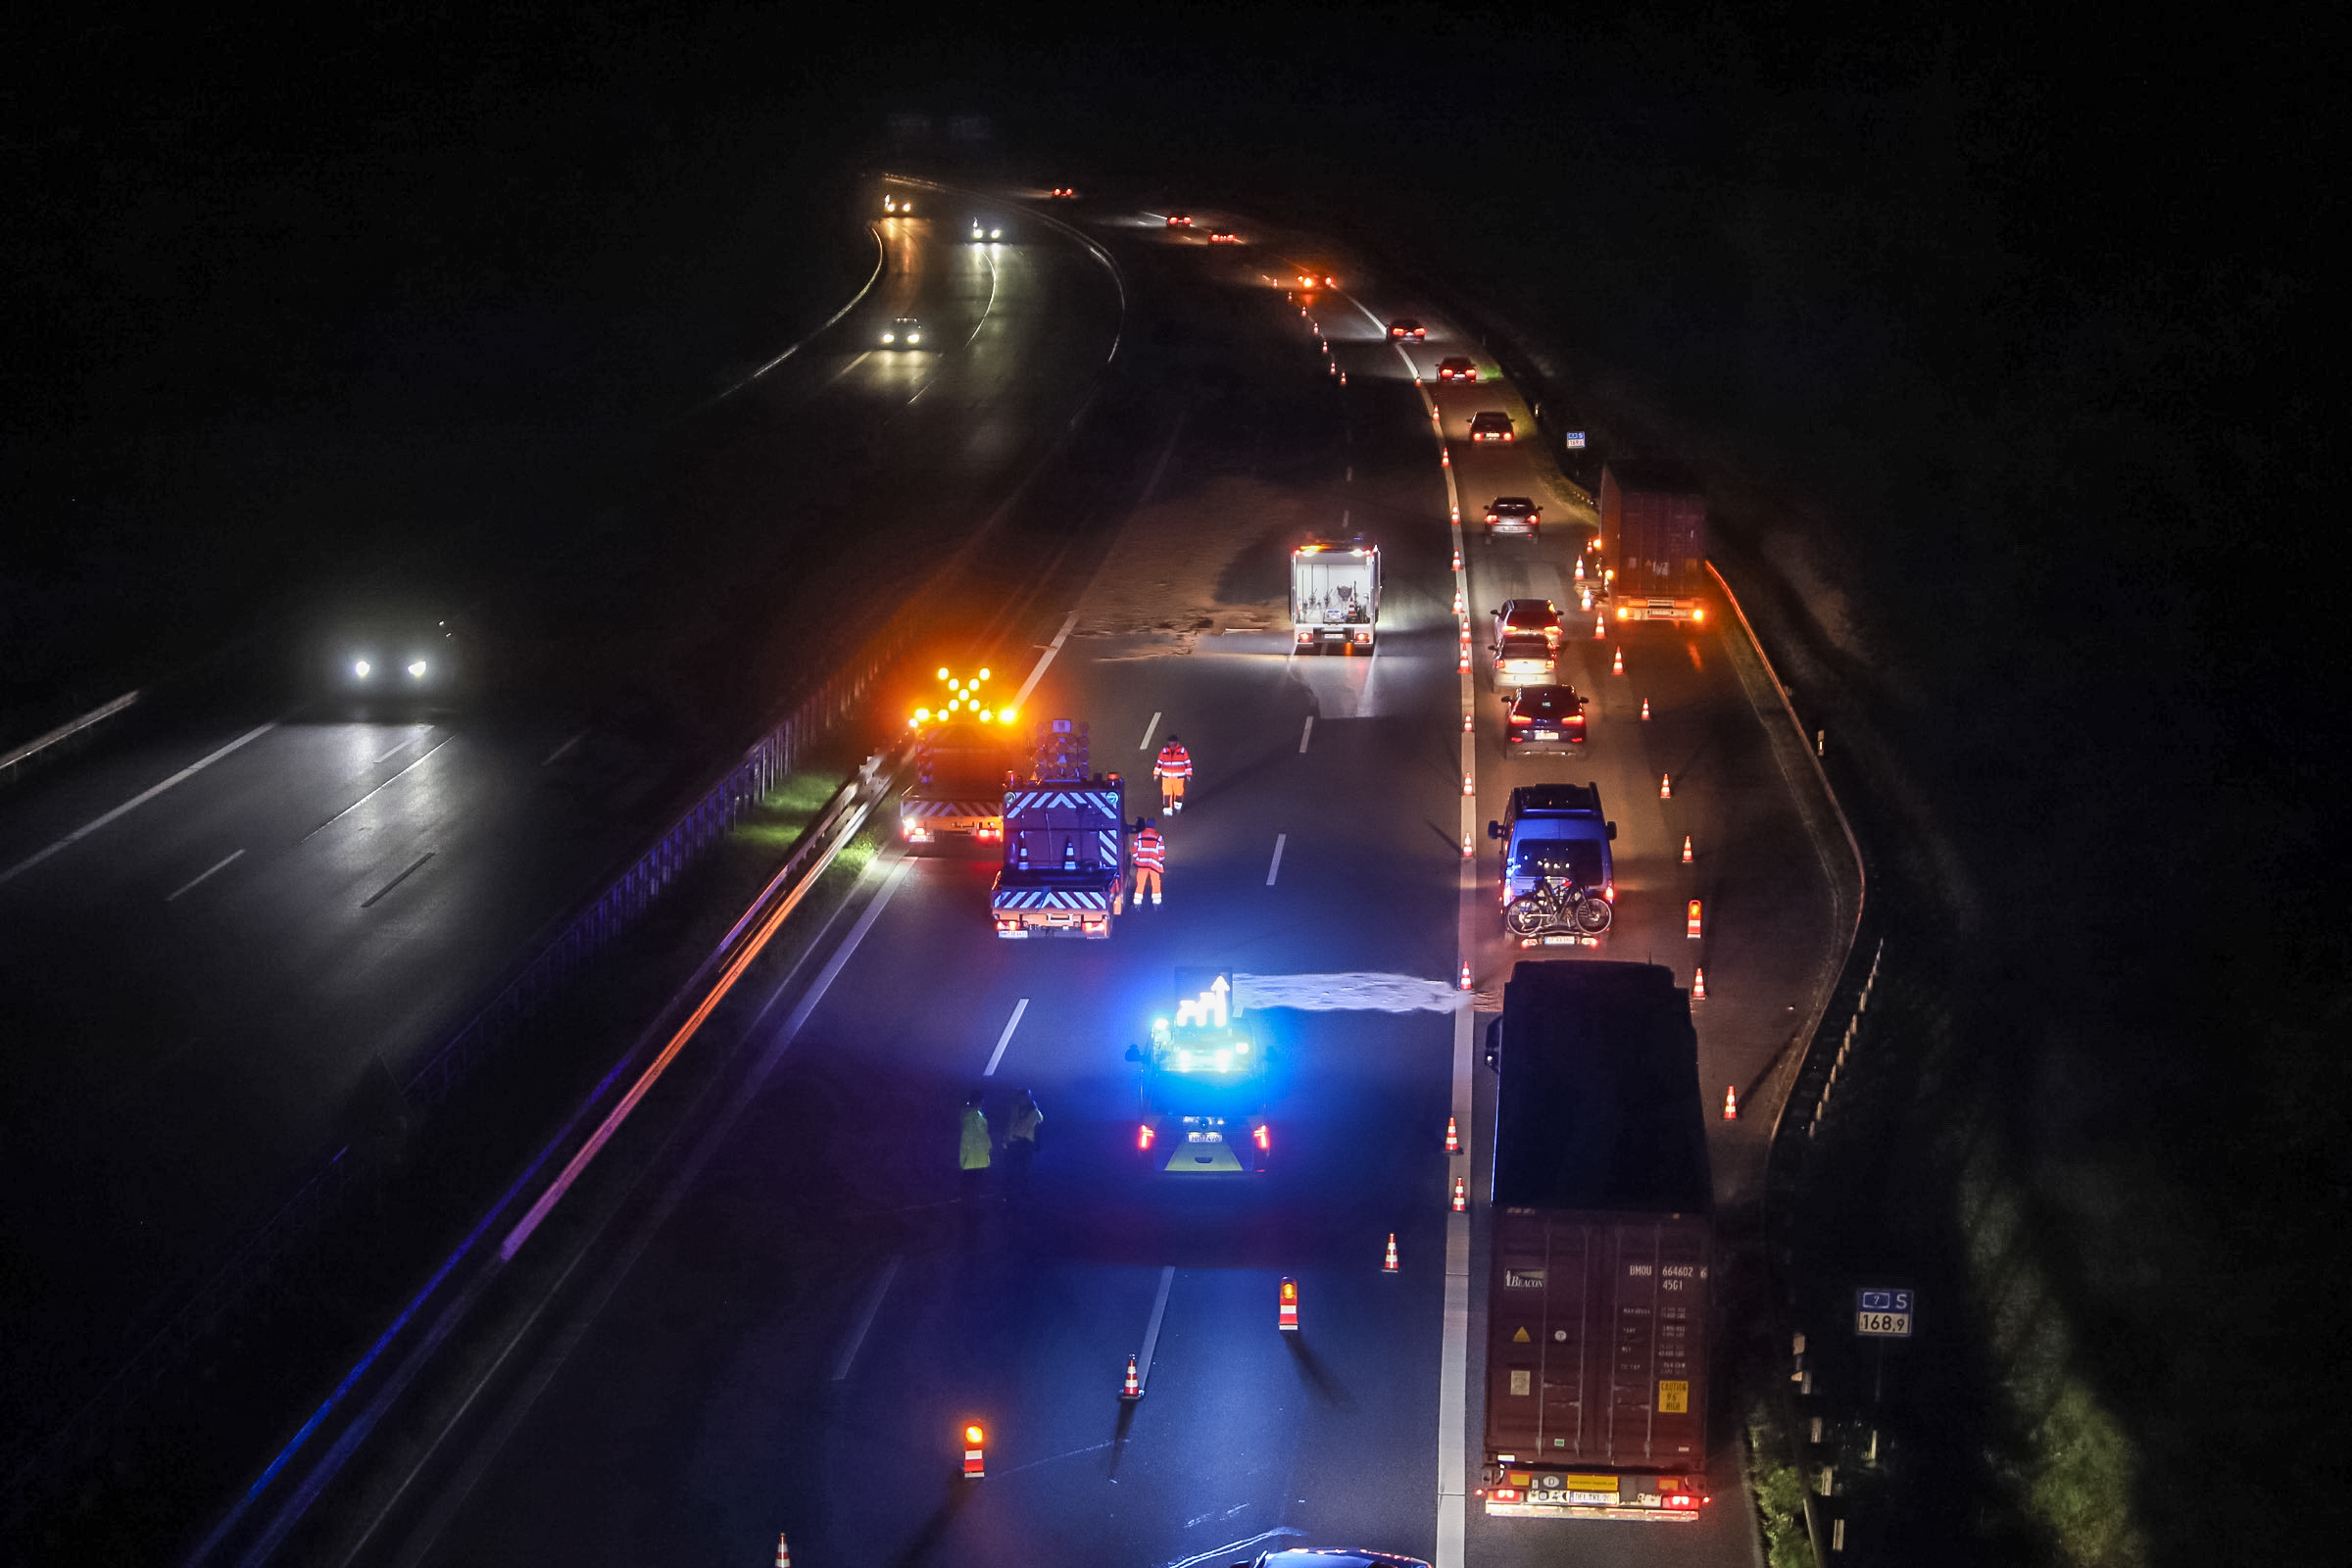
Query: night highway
x=1392, y=789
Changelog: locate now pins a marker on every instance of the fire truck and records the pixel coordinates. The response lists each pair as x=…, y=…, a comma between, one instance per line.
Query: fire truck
x=1066, y=843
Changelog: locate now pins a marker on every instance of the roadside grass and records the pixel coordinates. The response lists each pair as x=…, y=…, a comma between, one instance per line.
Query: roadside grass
x=1777, y=1488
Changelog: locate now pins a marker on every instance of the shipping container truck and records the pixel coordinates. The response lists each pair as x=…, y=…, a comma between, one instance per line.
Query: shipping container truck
x=1066, y=843
x=1335, y=593
x=1597, y=1303
x=1653, y=541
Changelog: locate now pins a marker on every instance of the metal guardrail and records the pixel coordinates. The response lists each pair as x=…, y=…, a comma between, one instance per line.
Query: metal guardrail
x=64, y=732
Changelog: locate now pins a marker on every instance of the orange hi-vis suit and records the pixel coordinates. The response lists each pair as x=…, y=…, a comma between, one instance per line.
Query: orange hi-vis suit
x=1174, y=766
x=1151, y=858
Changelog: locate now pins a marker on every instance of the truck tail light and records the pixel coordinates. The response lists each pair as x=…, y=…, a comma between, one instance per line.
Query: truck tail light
x=1143, y=1136
x=1506, y=1494
x=1261, y=1136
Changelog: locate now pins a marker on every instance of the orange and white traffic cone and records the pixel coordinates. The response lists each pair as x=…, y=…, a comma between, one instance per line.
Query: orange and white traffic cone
x=1390, y=1267
x=1454, y=1138
x=1730, y=1103
x=1617, y=666
x=1287, y=1319
x=1691, y=928
x=1131, y=1388
x=1685, y=849
x=1461, y=1197
x=783, y=1551
x=1466, y=723
x=1465, y=982
x=1457, y=554
x=1600, y=629
x=1698, y=985
x=1468, y=787
x=1646, y=709
x=1665, y=786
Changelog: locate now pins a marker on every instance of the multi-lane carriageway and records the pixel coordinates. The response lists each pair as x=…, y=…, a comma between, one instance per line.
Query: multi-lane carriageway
x=788, y=1327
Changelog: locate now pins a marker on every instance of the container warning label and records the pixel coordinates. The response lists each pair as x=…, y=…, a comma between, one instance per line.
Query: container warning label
x=1674, y=1398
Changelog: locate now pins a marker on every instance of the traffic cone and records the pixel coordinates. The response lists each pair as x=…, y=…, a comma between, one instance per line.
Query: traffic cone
x=1468, y=787
x=1390, y=1267
x=1698, y=985
x=1287, y=1319
x=1580, y=575
x=783, y=1551
x=1692, y=925
x=1454, y=1138
x=1465, y=974
x=1617, y=667
x=1685, y=849
x=975, y=1453
x=1730, y=1103
x=1457, y=554
x=1665, y=786
x=1465, y=723
x=1644, y=708
x=1467, y=852
x=1131, y=1388
x=1465, y=661
x=1445, y=459
x=1600, y=628
x=1343, y=378
x=1461, y=1197
x=1584, y=599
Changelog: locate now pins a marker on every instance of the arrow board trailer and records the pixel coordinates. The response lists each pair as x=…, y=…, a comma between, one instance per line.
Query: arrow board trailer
x=1204, y=1085
x=1065, y=869
x=1597, y=1309
x=1335, y=593
x=962, y=767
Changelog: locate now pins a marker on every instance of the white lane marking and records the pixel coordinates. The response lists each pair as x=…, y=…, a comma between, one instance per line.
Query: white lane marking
x=1306, y=734
x=134, y=803
x=1006, y=1038
x=378, y=790
x=191, y=882
x=1159, y=1310
x=1453, y=1354
x=881, y=259
x=414, y=867
x=1225, y=1552
x=841, y=959
x=1145, y=744
x=385, y=757
x=1275, y=870
x=866, y=1319
x=557, y=754
x=1020, y=699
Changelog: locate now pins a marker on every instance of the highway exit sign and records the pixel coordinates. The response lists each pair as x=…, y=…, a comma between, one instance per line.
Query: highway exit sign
x=1882, y=1314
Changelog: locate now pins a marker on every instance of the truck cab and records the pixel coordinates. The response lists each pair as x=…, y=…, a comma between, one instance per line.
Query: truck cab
x=1558, y=881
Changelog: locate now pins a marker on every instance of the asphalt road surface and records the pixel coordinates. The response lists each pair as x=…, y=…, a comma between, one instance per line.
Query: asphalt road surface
x=219, y=924
x=787, y=1321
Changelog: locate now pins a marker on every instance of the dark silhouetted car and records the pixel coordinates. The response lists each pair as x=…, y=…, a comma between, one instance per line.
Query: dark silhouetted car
x=1492, y=426
x=1457, y=368
x=903, y=333
x=1405, y=326
x=1528, y=618
x=1543, y=719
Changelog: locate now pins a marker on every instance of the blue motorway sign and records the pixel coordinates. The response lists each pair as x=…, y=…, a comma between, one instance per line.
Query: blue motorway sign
x=1575, y=440
x=1883, y=1313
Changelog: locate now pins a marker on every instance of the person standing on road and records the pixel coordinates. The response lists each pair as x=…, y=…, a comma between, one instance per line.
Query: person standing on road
x=1151, y=858
x=1020, y=1132
x=976, y=1143
x=1172, y=769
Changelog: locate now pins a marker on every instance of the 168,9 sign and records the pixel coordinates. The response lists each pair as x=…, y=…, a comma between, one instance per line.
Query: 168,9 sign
x=1882, y=1314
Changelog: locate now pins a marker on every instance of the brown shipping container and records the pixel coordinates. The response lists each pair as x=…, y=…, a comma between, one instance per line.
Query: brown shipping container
x=1596, y=1344
x=1598, y=1300
x=1653, y=535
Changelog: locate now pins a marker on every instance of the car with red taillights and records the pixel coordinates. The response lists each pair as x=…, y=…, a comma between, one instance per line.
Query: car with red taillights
x=1513, y=515
x=1528, y=618
x=1523, y=659
x=1543, y=719
x=1180, y=219
x=1405, y=328
x=1455, y=367
x=1492, y=424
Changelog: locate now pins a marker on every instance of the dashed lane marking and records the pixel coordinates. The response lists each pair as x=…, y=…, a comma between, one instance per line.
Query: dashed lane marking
x=1006, y=1038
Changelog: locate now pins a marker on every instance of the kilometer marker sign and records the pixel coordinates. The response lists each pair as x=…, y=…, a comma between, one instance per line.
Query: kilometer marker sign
x=1882, y=1314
